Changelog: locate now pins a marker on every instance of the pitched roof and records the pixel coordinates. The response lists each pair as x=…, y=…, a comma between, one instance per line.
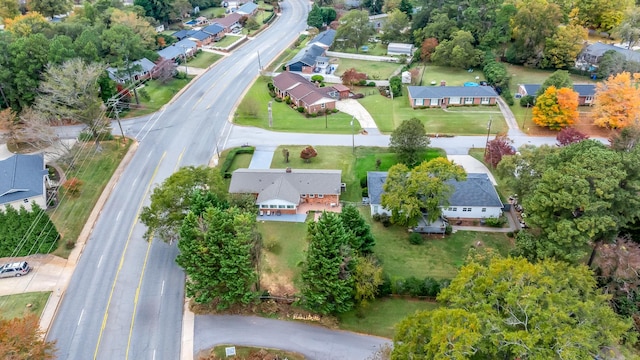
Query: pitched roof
x=213, y=29
x=581, y=89
x=272, y=184
x=21, y=177
x=324, y=38
x=200, y=35
x=247, y=8
x=439, y=92
x=301, y=89
x=145, y=64
x=175, y=50
x=181, y=34
x=399, y=47
x=228, y=20
x=476, y=190
x=598, y=49
x=308, y=55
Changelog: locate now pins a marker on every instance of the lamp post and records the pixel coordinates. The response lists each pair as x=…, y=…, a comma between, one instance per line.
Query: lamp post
x=353, y=137
x=486, y=146
x=326, y=124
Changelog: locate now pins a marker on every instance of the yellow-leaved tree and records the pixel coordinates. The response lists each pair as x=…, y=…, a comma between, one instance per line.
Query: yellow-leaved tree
x=617, y=102
x=556, y=108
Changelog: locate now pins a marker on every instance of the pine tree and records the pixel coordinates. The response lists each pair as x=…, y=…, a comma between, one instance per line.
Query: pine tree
x=327, y=279
x=361, y=241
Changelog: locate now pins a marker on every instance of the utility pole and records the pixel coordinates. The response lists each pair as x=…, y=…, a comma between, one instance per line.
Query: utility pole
x=270, y=115
x=525, y=116
x=486, y=146
x=113, y=103
x=259, y=63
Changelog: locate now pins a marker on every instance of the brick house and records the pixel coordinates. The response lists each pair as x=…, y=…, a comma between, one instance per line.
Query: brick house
x=440, y=96
x=285, y=190
x=303, y=93
x=586, y=92
x=229, y=22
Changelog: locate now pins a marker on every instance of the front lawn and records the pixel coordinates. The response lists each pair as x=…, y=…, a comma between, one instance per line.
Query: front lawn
x=226, y=41
x=434, y=75
x=465, y=120
x=284, y=245
x=212, y=12
x=382, y=315
x=159, y=95
x=15, y=306
x=375, y=70
x=253, y=111
x=248, y=352
x=203, y=60
x=94, y=169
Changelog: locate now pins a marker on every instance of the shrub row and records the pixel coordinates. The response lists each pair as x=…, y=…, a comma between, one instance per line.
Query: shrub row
x=411, y=286
x=229, y=160
x=269, y=18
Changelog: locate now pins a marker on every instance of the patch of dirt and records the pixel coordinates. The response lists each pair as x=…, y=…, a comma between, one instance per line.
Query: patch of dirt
x=277, y=283
x=584, y=125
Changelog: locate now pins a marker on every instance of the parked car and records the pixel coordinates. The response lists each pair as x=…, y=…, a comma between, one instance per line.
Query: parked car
x=14, y=269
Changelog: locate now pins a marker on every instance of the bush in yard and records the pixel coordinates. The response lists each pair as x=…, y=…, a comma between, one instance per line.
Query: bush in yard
x=495, y=221
x=413, y=286
x=362, y=82
x=384, y=289
x=385, y=220
x=363, y=181
x=416, y=238
x=300, y=109
x=365, y=192
x=371, y=84
x=448, y=229
x=431, y=287
x=308, y=153
x=376, y=217
x=508, y=96
x=73, y=186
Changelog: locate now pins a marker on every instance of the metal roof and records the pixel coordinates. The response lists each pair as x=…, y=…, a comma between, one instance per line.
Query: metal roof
x=21, y=177
x=439, y=92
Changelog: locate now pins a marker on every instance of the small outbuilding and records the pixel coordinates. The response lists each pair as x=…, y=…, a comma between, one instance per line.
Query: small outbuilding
x=399, y=49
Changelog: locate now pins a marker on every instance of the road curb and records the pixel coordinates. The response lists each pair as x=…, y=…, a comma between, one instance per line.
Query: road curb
x=51, y=308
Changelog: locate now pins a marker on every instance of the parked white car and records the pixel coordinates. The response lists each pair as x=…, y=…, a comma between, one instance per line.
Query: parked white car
x=14, y=269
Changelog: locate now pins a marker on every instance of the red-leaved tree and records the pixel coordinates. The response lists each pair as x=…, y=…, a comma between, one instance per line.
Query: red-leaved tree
x=308, y=153
x=568, y=136
x=497, y=148
x=428, y=47
x=21, y=338
x=352, y=77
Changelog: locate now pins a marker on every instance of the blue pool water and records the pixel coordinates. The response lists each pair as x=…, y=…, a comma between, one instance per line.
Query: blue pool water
x=191, y=22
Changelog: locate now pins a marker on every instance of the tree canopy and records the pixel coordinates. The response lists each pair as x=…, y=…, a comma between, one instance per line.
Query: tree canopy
x=22, y=339
x=458, y=52
x=409, y=141
x=556, y=108
x=354, y=29
x=408, y=194
x=616, y=103
x=511, y=309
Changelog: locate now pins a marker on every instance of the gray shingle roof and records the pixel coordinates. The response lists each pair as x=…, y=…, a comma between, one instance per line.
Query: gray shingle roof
x=325, y=38
x=477, y=190
x=21, y=177
x=181, y=34
x=272, y=184
x=439, y=92
x=213, y=29
x=200, y=35
x=145, y=64
x=175, y=50
x=247, y=8
x=598, y=49
x=307, y=55
x=581, y=89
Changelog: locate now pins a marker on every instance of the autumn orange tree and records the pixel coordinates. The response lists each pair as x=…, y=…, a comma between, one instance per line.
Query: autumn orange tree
x=556, y=108
x=617, y=104
x=21, y=339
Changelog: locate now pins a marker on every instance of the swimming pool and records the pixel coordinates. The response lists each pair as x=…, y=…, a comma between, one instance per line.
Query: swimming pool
x=191, y=22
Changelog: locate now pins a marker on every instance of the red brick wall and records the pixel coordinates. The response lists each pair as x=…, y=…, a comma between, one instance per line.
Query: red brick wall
x=327, y=199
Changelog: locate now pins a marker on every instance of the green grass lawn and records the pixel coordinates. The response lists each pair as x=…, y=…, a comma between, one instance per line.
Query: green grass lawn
x=159, y=95
x=15, y=306
x=375, y=48
x=525, y=75
x=226, y=41
x=452, y=76
x=94, y=169
x=366, y=161
x=203, y=59
x=388, y=114
x=253, y=111
x=242, y=352
x=212, y=12
x=240, y=161
x=382, y=315
x=438, y=257
x=284, y=249
x=375, y=70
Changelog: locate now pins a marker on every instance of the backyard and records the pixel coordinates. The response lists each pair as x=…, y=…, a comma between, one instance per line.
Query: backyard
x=253, y=111
x=94, y=169
x=159, y=95
x=203, y=59
x=375, y=70
x=467, y=120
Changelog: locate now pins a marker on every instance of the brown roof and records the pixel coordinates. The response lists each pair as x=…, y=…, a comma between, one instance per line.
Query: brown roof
x=340, y=87
x=228, y=20
x=300, y=88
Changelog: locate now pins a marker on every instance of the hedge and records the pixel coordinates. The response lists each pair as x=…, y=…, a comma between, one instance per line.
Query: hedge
x=232, y=155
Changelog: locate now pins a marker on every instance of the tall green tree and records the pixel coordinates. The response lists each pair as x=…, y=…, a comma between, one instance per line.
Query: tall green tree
x=560, y=79
x=561, y=50
x=61, y=49
x=395, y=27
x=157, y=9
x=367, y=278
x=440, y=26
x=424, y=189
x=534, y=23
x=28, y=58
x=409, y=141
x=171, y=201
x=629, y=28
x=458, y=52
x=49, y=8
x=362, y=241
x=9, y=9
x=511, y=309
x=354, y=29
x=215, y=252
x=314, y=18
x=327, y=280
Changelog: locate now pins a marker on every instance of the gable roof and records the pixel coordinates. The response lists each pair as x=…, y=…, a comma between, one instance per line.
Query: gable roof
x=476, y=190
x=278, y=184
x=400, y=47
x=228, y=20
x=439, y=92
x=301, y=89
x=247, y=8
x=181, y=34
x=145, y=64
x=581, y=89
x=308, y=55
x=324, y=38
x=598, y=49
x=200, y=35
x=213, y=29
x=175, y=50
x=21, y=177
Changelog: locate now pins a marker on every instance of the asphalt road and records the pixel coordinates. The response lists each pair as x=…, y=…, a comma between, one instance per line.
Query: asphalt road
x=314, y=342
x=125, y=298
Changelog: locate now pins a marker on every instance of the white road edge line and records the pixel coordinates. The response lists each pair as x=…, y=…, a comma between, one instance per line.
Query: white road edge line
x=100, y=261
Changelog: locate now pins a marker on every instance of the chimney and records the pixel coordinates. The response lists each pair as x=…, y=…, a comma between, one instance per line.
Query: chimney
x=288, y=170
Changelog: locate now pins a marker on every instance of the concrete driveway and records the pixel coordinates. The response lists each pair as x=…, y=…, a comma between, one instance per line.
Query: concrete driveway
x=354, y=108
x=262, y=157
x=471, y=165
